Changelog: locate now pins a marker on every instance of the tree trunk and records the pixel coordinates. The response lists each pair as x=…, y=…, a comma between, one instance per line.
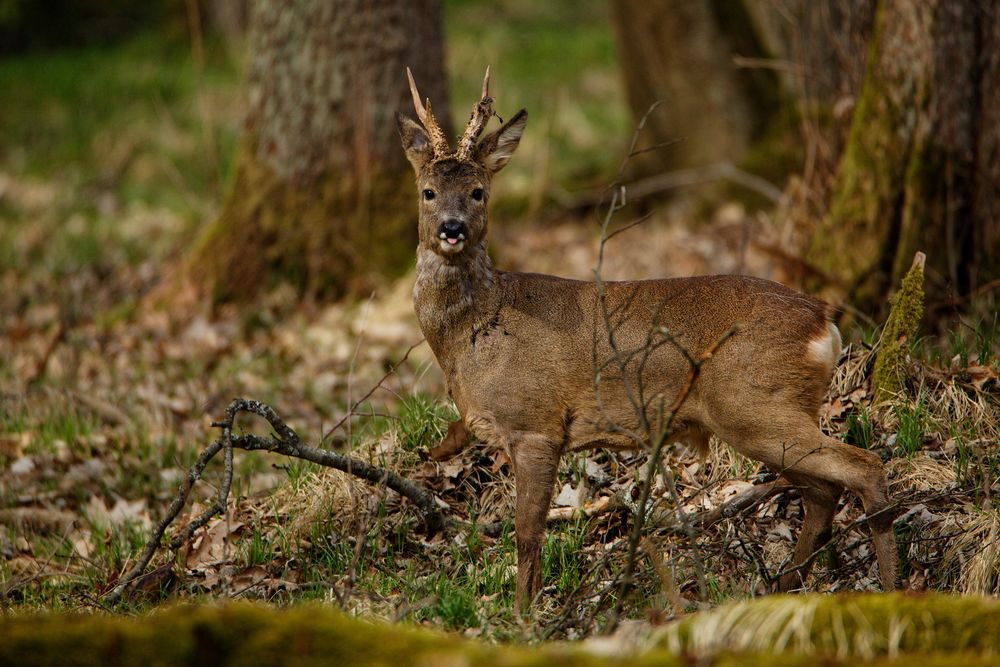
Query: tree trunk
x=921, y=167
x=681, y=53
x=322, y=194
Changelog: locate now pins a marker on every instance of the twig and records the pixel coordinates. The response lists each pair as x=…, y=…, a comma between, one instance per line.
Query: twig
x=654, y=458
x=42, y=364
x=599, y=506
x=742, y=502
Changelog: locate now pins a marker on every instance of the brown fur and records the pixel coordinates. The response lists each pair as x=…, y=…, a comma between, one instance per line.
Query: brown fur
x=521, y=352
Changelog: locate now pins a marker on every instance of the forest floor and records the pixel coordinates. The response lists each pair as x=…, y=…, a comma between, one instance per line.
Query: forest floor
x=105, y=401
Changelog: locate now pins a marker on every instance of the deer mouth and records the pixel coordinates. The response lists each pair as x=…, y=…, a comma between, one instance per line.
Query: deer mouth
x=452, y=236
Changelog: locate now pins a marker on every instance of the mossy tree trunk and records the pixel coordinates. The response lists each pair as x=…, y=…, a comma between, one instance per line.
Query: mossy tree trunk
x=819, y=50
x=921, y=166
x=322, y=195
x=681, y=53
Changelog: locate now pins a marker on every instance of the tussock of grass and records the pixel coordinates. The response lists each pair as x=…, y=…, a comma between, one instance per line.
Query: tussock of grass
x=846, y=626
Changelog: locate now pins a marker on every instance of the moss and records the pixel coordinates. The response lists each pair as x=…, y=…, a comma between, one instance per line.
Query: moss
x=243, y=634
x=776, y=631
x=954, y=631
x=850, y=240
x=900, y=330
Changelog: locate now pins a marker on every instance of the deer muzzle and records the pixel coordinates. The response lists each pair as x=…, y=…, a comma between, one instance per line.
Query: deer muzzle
x=452, y=235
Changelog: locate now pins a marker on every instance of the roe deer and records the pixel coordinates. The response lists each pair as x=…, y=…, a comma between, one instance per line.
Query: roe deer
x=519, y=352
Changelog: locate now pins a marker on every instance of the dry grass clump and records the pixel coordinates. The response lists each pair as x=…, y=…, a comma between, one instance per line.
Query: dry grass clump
x=848, y=626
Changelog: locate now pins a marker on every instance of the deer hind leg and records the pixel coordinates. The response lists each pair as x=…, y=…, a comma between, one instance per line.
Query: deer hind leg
x=536, y=462
x=819, y=499
x=801, y=450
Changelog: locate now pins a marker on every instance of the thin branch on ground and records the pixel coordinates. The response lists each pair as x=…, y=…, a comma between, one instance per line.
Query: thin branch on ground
x=287, y=442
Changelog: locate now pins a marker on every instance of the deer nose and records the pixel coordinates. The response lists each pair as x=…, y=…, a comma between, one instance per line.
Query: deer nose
x=453, y=228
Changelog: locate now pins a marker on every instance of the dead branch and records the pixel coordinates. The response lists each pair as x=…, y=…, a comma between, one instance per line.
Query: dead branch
x=284, y=441
x=742, y=502
x=695, y=365
x=602, y=505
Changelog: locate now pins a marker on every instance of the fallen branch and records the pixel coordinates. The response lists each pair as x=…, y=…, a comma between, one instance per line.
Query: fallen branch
x=285, y=441
x=742, y=502
x=599, y=506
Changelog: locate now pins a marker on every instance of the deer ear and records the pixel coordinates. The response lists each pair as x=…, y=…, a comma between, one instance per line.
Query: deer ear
x=495, y=150
x=415, y=141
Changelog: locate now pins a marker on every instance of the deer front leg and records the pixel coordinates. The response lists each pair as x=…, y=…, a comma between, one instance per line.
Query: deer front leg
x=536, y=462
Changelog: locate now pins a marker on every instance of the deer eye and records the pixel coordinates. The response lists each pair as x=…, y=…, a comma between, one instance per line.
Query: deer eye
x=428, y=194
x=477, y=194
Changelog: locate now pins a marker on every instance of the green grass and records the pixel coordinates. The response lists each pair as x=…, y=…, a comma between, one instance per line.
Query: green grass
x=423, y=421
x=860, y=428
x=912, y=425
x=70, y=102
x=113, y=150
x=556, y=59
x=51, y=424
x=562, y=557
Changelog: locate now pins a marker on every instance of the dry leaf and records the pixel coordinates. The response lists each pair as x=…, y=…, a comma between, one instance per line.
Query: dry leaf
x=453, y=442
x=569, y=496
x=209, y=546
x=980, y=376
x=12, y=445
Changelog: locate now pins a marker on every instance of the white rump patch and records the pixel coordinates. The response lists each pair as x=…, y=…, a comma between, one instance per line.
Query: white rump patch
x=825, y=350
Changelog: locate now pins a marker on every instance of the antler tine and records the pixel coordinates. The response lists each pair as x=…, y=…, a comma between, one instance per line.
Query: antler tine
x=486, y=84
x=434, y=132
x=481, y=112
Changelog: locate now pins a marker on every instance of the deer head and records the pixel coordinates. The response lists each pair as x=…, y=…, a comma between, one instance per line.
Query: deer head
x=454, y=186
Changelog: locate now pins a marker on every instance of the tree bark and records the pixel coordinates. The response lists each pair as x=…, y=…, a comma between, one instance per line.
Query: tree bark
x=921, y=166
x=681, y=53
x=321, y=195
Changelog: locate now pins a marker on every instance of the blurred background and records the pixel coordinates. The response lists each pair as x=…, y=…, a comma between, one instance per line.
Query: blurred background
x=202, y=199
x=820, y=144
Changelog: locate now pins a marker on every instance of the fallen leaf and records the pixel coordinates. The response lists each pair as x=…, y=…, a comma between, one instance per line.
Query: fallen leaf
x=39, y=519
x=833, y=410
x=24, y=566
x=12, y=445
x=780, y=532
x=247, y=578
x=980, y=376
x=453, y=442
x=152, y=586
x=569, y=496
x=209, y=545
x=22, y=466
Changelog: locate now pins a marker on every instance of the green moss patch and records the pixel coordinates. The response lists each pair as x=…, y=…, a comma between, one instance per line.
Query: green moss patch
x=900, y=331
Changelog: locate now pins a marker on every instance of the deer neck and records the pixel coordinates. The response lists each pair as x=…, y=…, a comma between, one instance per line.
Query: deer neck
x=452, y=296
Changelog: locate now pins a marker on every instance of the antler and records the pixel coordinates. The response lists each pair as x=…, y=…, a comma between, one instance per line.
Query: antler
x=439, y=143
x=481, y=112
